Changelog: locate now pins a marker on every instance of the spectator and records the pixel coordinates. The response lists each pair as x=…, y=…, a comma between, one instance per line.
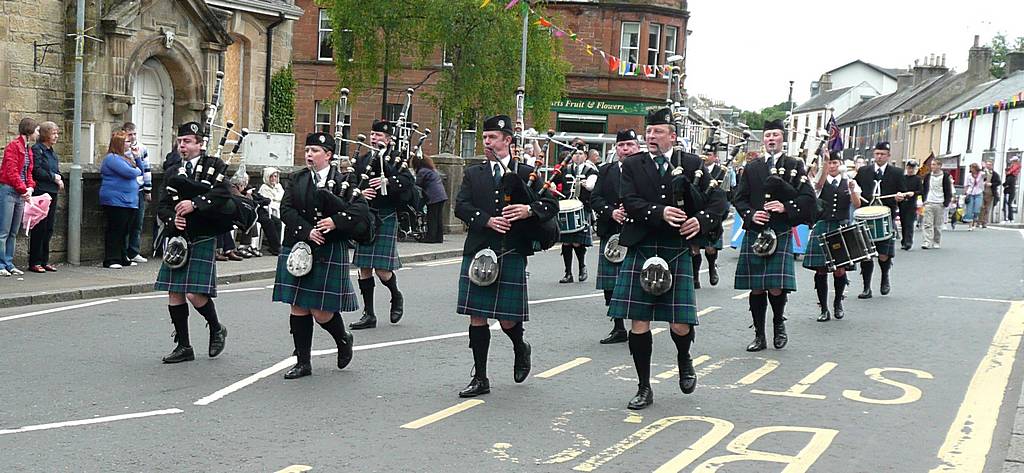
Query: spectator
x=908, y=207
x=240, y=188
x=1010, y=187
x=595, y=157
x=991, y=194
x=270, y=220
x=138, y=152
x=937, y=190
x=16, y=187
x=46, y=172
x=119, y=196
x=974, y=187
x=429, y=180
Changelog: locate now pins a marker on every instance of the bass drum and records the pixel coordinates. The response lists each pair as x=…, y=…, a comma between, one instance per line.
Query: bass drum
x=572, y=217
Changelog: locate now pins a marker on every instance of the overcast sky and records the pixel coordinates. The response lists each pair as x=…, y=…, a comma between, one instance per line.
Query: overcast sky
x=745, y=53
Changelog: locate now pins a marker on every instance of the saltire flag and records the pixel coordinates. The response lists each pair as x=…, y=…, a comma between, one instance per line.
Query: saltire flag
x=835, y=139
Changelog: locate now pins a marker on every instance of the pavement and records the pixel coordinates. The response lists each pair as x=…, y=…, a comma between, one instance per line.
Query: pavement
x=72, y=283
x=924, y=379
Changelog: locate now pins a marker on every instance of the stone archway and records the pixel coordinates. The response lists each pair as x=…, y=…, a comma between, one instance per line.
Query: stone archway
x=153, y=107
x=185, y=71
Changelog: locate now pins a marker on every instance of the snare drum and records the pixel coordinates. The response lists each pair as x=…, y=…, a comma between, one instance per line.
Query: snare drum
x=572, y=217
x=878, y=220
x=847, y=245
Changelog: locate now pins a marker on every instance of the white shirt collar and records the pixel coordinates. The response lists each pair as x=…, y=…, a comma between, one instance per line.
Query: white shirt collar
x=505, y=161
x=323, y=176
x=881, y=168
x=834, y=179
x=195, y=161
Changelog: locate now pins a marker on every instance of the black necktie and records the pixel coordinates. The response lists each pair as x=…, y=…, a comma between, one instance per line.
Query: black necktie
x=188, y=169
x=496, y=173
x=662, y=164
x=316, y=179
x=878, y=174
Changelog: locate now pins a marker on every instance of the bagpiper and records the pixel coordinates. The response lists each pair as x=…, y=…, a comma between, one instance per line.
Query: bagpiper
x=714, y=241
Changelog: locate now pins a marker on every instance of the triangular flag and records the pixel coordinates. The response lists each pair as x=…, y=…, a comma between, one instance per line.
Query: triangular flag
x=511, y=4
x=486, y=2
x=602, y=54
x=572, y=35
x=542, y=22
x=590, y=50
x=558, y=33
x=613, y=64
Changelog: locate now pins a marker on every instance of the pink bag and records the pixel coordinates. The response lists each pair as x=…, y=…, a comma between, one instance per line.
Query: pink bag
x=36, y=210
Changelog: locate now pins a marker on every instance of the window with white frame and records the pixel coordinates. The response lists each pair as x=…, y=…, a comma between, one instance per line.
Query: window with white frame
x=653, y=43
x=325, y=50
x=322, y=120
x=671, y=41
x=629, y=47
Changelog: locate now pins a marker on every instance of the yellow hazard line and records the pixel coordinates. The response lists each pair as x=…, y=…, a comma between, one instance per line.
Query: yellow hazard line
x=563, y=367
x=442, y=414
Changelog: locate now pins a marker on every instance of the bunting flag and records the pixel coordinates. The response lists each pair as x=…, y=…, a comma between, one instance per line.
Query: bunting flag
x=486, y=2
x=590, y=50
x=511, y=4
x=542, y=22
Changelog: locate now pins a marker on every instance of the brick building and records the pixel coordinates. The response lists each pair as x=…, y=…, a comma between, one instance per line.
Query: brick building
x=598, y=102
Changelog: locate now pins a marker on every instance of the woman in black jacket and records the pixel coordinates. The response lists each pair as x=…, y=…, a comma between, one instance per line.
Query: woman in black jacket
x=429, y=180
x=46, y=172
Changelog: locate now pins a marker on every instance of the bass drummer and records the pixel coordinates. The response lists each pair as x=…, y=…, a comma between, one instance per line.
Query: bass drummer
x=577, y=182
x=884, y=182
x=606, y=201
x=836, y=194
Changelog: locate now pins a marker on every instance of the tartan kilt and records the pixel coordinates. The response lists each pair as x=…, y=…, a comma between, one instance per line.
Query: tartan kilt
x=506, y=299
x=583, y=237
x=678, y=305
x=198, y=276
x=607, y=272
x=887, y=247
x=777, y=271
x=327, y=287
x=703, y=242
x=383, y=252
x=815, y=257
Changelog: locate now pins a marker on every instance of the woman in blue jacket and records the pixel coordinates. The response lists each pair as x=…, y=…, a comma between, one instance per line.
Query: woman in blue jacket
x=119, y=196
x=46, y=172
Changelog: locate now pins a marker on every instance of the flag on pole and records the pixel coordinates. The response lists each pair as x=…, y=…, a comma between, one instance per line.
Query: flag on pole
x=835, y=139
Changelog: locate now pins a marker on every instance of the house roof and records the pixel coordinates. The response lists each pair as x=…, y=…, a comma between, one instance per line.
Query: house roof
x=884, y=70
x=1001, y=89
x=821, y=101
x=285, y=8
x=898, y=101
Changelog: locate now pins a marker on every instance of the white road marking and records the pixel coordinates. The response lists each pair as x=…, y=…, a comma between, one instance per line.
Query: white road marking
x=978, y=299
x=568, y=298
x=741, y=296
x=57, y=309
x=95, y=420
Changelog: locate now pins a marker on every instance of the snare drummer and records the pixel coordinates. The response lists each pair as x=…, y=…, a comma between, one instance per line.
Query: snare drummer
x=656, y=231
x=581, y=176
x=326, y=290
x=837, y=194
x=888, y=181
x=607, y=203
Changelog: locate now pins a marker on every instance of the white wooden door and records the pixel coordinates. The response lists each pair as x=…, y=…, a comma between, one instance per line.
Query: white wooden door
x=153, y=109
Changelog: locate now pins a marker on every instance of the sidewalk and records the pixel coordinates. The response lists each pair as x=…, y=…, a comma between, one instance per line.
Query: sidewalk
x=86, y=282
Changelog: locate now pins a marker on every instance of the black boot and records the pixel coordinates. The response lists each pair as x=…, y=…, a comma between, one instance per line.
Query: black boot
x=397, y=301
x=567, y=260
x=779, y=320
x=758, y=310
x=840, y=283
x=866, y=268
x=581, y=255
x=640, y=349
x=712, y=267
x=182, y=350
x=821, y=288
x=369, y=319
x=695, y=260
x=218, y=332
x=342, y=338
x=302, y=337
x=476, y=387
x=886, y=266
x=687, y=375
x=617, y=335
x=522, y=364
x=479, y=342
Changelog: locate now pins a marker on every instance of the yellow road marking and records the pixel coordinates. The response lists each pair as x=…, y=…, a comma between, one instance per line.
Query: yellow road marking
x=443, y=414
x=563, y=367
x=295, y=469
x=633, y=418
x=756, y=375
x=798, y=389
x=719, y=429
x=969, y=438
x=741, y=296
x=655, y=331
x=707, y=311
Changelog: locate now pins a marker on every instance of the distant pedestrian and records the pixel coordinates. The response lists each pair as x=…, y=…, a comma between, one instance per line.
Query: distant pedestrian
x=991, y=193
x=1010, y=180
x=16, y=187
x=937, y=189
x=974, y=187
x=908, y=207
x=46, y=172
x=429, y=180
x=137, y=151
x=119, y=197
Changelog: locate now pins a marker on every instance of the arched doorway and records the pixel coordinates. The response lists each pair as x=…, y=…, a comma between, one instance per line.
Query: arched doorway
x=153, y=112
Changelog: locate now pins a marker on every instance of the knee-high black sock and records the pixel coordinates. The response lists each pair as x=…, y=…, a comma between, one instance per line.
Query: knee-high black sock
x=821, y=287
x=179, y=318
x=480, y=342
x=886, y=266
x=366, y=289
x=618, y=324
x=302, y=336
x=392, y=283
x=712, y=258
x=683, y=343
x=515, y=334
x=567, y=257
x=758, y=310
x=209, y=312
x=840, y=283
x=335, y=327
x=608, y=297
x=695, y=259
x=866, y=268
x=640, y=348
x=581, y=255
x=778, y=307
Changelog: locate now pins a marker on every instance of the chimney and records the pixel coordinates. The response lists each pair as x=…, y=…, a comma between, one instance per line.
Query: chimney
x=930, y=69
x=905, y=80
x=825, y=84
x=1014, y=62
x=979, y=60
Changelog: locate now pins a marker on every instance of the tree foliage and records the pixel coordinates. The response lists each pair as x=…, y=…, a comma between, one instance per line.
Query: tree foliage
x=482, y=46
x=756, y=120
x=1000, y=47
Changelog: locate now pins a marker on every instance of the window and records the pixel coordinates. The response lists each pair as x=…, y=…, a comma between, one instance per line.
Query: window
x=445, y=60
x=325, y=51
x=970, y=134
x=629, y=47
x=992, y=137
x=949, y=137
x=653, y=43
x=394, y=110
x=322, y=121
x=819, y=121
x=671, y=41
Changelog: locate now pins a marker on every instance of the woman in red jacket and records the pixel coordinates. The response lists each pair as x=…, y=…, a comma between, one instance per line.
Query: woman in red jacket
x=16, y=185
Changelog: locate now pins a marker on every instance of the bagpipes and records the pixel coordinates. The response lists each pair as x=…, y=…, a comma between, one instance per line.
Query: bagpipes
x=782, y=186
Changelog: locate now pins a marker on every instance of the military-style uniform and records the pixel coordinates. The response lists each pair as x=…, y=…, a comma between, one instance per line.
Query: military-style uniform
x=312, y=196
x=581, y=176
x=650, y=183
x=715, y=238
x=482, y=196
x=890, y=180
x=782, y=178
x=212, y=215
x=835, y=199
x=382, y=253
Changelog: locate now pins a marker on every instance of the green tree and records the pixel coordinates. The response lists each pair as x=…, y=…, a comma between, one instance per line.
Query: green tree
x=755, y=120
x=282, y=102
x=1000, y=47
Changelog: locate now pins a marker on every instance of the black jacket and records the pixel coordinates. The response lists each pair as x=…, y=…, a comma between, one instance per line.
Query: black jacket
x=750, y=195
x=606, y=197
x=214, y=208
x=911, y=184
x=302, y=207
x=400, y=181
x=892, y=182
x=947, y=188
x=835, y=201
x=45, y=169
x=995, y=180
x=646, y=193
x=479, y=199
